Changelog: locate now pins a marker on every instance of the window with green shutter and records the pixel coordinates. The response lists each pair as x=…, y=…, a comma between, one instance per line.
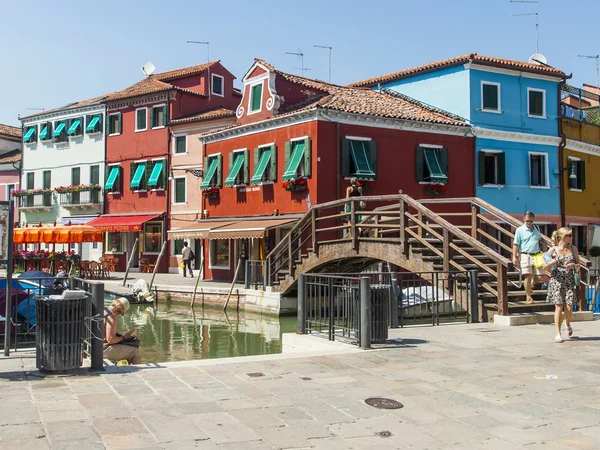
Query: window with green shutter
x=95, y=180
x=59, y=134
x=75, y=126
x=256, y=97
x=359, y=159
x=238, y=168
x=180, y=144
x=264, y=165
x=179, y=185
x=491, y=168
x=141, y=119
x=30, y=134
x=536, y=102
x=114, y=123
x=93, y=123
x=157, y=178
x=432, y=164
x=113, y=179
x=212, y=172
x=46, y=131
x=136, y=174
x=177, y=246
x=47, y=184
x=297, y=159
x=158, y=116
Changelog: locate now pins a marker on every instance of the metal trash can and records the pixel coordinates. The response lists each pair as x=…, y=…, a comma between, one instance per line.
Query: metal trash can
x=60, y=331
x=380, y=312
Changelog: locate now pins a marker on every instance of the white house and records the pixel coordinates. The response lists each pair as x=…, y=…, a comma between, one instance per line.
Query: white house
x=63, y=168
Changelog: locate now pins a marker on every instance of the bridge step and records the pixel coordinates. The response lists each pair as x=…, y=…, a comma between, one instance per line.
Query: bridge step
x=522, y=306
x=520, y=293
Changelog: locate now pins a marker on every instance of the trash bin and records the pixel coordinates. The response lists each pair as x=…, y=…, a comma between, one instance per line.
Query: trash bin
x=60, y=331
x=380, y=312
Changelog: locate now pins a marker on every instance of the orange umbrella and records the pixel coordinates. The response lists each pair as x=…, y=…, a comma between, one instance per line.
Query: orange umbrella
x=19, y=236
x=78, y=234
x=57, y=235
x=32, y=235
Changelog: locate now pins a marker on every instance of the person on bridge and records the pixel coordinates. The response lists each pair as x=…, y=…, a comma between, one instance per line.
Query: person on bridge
x=562, y=285
x=354, y=190
x=526, y=245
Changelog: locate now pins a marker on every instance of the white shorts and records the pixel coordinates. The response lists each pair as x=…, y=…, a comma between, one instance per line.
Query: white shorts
x=528, y=265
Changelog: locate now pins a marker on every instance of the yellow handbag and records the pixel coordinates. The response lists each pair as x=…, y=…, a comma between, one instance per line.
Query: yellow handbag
x=182, y=265
x=538, y=261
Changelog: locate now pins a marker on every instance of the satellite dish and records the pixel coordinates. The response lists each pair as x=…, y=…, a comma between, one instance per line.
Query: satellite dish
x=538, y=58
x=148, y=68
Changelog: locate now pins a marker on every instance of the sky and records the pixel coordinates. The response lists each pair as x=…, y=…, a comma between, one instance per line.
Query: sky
x=55, y=53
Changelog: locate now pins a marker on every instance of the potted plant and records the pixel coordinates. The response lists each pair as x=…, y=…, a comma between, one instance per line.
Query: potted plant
x=78, y=188
x=212, y=192
x=295, y=184
x=435, y=189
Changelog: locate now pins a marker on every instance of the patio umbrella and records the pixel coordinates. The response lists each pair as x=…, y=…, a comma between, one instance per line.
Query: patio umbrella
x=69, y=234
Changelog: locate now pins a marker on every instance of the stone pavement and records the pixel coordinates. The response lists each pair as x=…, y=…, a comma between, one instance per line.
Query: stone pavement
x=462, y=386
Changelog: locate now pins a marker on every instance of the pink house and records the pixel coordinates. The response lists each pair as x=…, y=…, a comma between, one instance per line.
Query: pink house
x=10, y=161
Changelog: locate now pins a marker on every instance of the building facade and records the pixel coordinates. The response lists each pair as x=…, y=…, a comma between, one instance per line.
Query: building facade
x=513, y=108
x=138, y=143
x=10, y=162
x=297, y=142
x=62, y=168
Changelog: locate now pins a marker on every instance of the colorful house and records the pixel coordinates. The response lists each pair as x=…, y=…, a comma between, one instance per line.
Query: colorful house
x=138, y=143
x=62, y=168
x=514, y=110
x=298, y=141
x=580, y=126
x=10, y=161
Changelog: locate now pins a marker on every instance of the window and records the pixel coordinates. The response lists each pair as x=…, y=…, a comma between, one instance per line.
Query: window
x=141, y=119
x=75, y=127
x=137, y=170
x=359, y=158
x=179, y=190
x=114, y=242
x=492, y=168
x=297, y=159
x=114, y=124
x=432, y=164
x=46, y=131
x=265, y=164
x=180, y=144
x=177, y=246
x=536, y=102
x=576, y=174
x=217, y=84
x=75, y=180
x=113, y=179
x=30, y=134
x=152, y=237
x=27, y=200
x=490, y=96
x=579, y=238
x=9, y=189
x=219, y=252
x=158, y=116
x=255, y=104
x=238, y=168
x=95, y=180
x=47, y=183
x=93, y=123
x=157, y=176
x=212, y=172
x=538, y=170
x=60, y=131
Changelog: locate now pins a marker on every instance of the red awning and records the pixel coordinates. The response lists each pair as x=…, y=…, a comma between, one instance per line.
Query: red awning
x=120, y=223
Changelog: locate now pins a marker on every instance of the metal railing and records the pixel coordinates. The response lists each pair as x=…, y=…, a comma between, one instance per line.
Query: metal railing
x=579, y=104
x=82, y=198
x=255, y=275
x=43, y=199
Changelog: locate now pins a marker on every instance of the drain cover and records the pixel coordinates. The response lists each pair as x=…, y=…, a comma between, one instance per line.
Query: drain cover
x=383, y=403
x=256, y=374
x=306, y=378
x=383, y=433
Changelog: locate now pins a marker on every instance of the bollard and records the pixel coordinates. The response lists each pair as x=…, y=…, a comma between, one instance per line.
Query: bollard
x=365, y=313
x=474, y=299
x=247, y=274
x=393, y=301
x=264, y=266
x=97, y=350
x=301, y=327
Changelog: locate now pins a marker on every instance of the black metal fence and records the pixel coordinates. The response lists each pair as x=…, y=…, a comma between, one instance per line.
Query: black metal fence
x=255, y=275
x=80, y=198
x=580, y=104
x=362, y=307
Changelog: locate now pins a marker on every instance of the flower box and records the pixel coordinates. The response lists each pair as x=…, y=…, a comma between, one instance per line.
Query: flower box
x=211, y=192
x=78, y=188
x=295, y=184
x=435, y=189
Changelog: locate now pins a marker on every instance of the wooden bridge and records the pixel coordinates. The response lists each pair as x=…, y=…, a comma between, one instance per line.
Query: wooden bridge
x=442, y=234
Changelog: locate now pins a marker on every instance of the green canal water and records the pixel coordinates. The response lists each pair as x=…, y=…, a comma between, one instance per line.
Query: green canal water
x=174, y=332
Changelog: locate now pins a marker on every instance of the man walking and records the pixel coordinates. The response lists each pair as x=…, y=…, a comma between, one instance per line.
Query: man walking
x=187, y=256
x=526, y=245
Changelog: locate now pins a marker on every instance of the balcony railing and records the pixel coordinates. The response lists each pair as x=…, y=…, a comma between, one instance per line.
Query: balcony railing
x=80, y=199
x=41, y=200
x=580, y=104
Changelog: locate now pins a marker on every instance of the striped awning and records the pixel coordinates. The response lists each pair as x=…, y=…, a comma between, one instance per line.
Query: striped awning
x=247, y=229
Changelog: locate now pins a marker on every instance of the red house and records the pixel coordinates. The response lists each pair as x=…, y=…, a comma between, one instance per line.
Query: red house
x=298, y=141
x=138, y=158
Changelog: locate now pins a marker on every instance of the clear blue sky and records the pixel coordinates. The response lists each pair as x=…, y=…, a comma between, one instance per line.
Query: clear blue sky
x=58, y=52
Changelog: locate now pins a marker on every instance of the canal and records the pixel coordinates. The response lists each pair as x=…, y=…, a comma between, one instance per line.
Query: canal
x=176, y=332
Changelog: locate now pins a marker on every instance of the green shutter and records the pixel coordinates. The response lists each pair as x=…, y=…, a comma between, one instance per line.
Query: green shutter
x=74, y=127
x=246, y=166
x=346, y=158
x=361, y=159
x=235, y=168
x=210, y=169
x=373, y=156
x=434, y=160
x=111, y=179
x=45, y=131
x=273, y=174
x=165, y=119
x=94, y=174
x=287, y=153
x=307, y=158
x=204, y=170
x=501, y=168
x=291, y=168
x=261, y=166
x=219, y=182
x=138, y=177
x=231, y=159
x=255, y=160
x=75, y=176
x=152, y=125
x=147, y=173
x=180, y=190
x=163, y=175
x=581, y=174
x=256, y=97
x=420, y=164
x=119, y=123
x=443, y=152
x=46, y=179
x=481, y=168
x=156, y=175
x=30, y=180
x=132, y=170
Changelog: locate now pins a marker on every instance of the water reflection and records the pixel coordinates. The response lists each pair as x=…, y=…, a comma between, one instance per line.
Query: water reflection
x=178, y=333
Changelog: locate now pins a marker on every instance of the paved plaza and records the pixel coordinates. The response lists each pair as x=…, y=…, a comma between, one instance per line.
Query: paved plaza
x=462, y=386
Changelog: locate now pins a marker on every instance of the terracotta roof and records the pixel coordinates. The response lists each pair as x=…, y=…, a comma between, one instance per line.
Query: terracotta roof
x=181, y=73
x=89, y=102
x=206, y=115
x=8, y=130
x=11, y=157
x=463, y=59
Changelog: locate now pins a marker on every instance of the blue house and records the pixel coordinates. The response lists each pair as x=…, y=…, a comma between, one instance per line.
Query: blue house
x=513, y=109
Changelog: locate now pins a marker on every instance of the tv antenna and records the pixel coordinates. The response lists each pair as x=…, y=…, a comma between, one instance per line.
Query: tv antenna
x=328, y=48
x=300, y=55
x=597, y=69
x=537, y=22
x=148, y=68
x=203, y=43
x=35, y=109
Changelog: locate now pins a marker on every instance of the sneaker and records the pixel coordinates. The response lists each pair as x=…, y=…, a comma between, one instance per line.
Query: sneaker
x=558, y=339
x=569, y=331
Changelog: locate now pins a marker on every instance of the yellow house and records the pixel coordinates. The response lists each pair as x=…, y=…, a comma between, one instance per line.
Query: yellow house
x=581, y=159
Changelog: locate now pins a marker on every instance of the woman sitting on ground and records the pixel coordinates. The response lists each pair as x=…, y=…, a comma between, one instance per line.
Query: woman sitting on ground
x=114, y=348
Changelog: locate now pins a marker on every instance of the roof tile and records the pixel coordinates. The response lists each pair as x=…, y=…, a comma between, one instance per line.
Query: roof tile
x=206, y=115
x=8, y=130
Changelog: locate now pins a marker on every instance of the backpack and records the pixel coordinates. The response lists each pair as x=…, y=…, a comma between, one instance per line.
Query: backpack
x=192, y=255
